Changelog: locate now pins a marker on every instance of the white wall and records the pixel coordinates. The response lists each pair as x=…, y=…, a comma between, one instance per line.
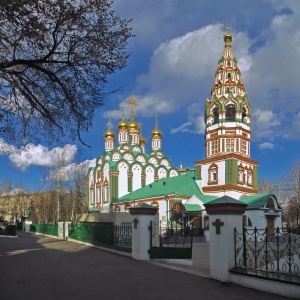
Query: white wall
x=123, y=179
x=136, y=177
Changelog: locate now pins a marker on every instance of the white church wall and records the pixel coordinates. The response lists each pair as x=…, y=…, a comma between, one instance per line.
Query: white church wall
x=123, y=179
x=149, y=174
x=136, y=177
x=257, y=218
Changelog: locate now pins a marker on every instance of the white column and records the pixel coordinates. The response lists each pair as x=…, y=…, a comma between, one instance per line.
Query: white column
x=225, y=214
x=142, y=216
x=27, y=225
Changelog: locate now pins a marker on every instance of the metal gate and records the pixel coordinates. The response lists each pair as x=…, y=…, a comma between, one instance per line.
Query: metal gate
x=168, y=242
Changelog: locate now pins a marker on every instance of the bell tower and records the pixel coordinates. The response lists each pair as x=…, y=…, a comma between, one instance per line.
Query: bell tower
x=227, y=168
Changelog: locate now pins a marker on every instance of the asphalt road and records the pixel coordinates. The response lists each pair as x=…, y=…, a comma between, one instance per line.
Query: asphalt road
x=42, y=268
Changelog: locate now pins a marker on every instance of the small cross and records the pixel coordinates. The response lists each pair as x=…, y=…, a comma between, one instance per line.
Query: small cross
x=135, y=221
x=227, y=26
x=218, y=225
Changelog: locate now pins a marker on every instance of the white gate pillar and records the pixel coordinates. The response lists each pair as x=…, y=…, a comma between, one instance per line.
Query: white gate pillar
x=27, y=225
x=225, y=214
x=143, y=214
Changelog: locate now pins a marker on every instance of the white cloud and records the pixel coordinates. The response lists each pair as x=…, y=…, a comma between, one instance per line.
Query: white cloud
x=41, y=156
x=182, y=128
x=71, y=171
x=266, y=146
x=264, y=124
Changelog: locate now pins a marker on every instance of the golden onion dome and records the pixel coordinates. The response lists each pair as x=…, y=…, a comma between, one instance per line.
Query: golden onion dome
x=132, y=125
x=227, y=36
x=156, y=132
x=109, y=134
x=143, y=140
x=123, y=125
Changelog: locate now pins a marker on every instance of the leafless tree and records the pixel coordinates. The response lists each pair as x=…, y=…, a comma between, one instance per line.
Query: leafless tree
x=55, y=56
x=291, y=191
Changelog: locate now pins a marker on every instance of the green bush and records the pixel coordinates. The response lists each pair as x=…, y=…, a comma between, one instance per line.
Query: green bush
x=10, y=230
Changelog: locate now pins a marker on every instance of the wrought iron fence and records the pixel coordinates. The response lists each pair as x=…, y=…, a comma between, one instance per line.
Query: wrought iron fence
x=172, y=235
x=51, y=229
x=103, y=234
x=257, y=250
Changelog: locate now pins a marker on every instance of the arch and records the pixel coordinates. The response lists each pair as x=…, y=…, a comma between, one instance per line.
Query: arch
x=141, y=158
x=165, y=162
x=173, y=172
x=136, y=170
x=270, y=203
x=162, y=172
x=137, y=149
x=215, y=113
x=123, y=178
x=213, y=174
x=150, y=173
x=230, y=112
x=128, y=156
x=116, y=156
x=99, y=160
x=153, y=160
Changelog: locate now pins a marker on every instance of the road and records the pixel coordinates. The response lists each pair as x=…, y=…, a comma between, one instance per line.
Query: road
x=36, y=267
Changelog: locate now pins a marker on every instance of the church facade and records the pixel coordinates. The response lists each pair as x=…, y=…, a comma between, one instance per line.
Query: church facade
x=125, y=175
x=126, y=166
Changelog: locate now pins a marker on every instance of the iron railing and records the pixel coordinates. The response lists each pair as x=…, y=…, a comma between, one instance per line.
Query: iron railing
x=176, y=236
x=103, y=234
x=257, y=250
x=51, y=229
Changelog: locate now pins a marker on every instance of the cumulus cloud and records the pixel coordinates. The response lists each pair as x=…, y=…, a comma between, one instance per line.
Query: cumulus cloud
x=181, y=69
x=181, y=72
x=264, y=124
x=41, y=156
x=73, y=170
x=266, y=145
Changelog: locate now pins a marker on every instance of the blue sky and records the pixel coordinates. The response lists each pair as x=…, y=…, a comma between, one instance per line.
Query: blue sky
x=170, y=73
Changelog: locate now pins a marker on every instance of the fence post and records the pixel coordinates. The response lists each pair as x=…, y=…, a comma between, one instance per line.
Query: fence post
x=27, y=225
x=225, y=214
x=61, y=232
x=67, y=224
x=143, y=214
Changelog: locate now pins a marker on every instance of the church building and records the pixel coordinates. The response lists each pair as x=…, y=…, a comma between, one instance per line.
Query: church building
x=126, y=166
x=125, y=175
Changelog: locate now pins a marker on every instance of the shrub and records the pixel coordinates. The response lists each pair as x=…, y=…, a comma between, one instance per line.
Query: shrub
x=10, y=230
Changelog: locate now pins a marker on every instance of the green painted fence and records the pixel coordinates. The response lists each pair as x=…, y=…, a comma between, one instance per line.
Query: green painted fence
x=51, y=229
x=103, y=234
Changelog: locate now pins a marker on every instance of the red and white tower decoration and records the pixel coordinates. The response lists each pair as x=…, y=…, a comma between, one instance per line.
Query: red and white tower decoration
x=227, y=168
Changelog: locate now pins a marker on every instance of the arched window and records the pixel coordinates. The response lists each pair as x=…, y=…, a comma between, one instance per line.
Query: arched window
x=244, y=113
x=230, y=113
x=216, y=115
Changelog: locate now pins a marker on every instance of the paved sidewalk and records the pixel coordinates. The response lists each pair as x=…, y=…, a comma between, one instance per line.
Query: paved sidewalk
x=198, y=265
x=39, y=267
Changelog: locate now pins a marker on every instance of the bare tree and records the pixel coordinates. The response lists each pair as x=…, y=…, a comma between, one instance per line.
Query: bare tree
x=291, y=191
x=55, y=56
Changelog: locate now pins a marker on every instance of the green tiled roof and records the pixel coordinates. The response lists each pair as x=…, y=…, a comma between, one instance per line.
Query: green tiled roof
x=192, y=207
x=183, y=185
x=257, y=201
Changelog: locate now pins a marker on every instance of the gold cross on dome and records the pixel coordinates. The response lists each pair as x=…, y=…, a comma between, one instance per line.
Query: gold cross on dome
x=227, y=25
x=131, y=101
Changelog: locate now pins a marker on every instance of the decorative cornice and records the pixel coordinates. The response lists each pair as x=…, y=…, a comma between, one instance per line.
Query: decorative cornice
x=225, y=157
x=229, y=187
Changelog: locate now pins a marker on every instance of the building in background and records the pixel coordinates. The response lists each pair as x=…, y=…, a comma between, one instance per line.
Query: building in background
x=125, y=175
